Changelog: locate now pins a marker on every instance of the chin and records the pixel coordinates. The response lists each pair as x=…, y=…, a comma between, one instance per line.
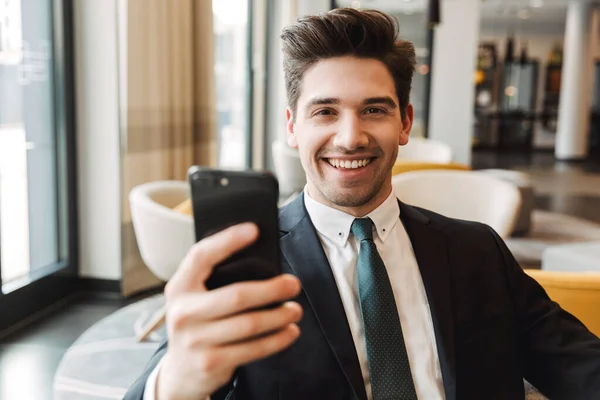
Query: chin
x=349, y=197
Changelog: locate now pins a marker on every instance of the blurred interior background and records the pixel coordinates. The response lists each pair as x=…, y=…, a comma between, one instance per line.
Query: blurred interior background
x=100, y=97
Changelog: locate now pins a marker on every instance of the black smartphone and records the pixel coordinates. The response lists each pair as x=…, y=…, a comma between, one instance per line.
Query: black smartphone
x=221, y=199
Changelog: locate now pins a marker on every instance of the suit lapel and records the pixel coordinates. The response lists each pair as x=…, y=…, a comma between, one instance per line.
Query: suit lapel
x=304, y=253
x=302, y=250
x=430, y=250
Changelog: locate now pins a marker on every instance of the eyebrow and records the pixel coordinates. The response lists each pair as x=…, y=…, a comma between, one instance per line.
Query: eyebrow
x=381, y=100
x=319, y=101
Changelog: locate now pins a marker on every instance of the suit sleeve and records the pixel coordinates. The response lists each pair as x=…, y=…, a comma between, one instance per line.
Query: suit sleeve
x=136, y=391
x=561, y=357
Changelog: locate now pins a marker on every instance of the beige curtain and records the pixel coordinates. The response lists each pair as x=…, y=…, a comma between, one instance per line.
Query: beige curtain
x=168, y=111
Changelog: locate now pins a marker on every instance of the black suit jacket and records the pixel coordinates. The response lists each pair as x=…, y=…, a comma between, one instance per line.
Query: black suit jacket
x=494, y=326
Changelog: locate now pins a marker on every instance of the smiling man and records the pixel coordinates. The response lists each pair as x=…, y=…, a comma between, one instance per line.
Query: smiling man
x=389, y=301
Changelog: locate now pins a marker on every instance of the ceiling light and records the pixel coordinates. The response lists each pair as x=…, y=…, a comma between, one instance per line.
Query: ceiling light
x=524, y=13
x=537, y=3
x=510, y=91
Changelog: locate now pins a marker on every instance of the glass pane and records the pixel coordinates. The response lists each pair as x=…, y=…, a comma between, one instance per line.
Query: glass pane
x=28, y=208
x=231, y=80
x=519, y=86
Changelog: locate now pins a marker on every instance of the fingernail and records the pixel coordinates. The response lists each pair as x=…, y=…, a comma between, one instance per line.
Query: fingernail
x=291, y=278
x=292, y=305
x=248, y=228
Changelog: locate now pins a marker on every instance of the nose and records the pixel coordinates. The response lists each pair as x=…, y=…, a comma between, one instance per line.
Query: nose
x=350, y=134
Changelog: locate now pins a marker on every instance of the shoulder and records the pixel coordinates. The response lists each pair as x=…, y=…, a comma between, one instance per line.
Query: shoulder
x=292, y=214
x=466, y=243
x=456, y=228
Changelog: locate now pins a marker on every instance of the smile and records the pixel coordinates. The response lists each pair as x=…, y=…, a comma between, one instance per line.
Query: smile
x=348, y=164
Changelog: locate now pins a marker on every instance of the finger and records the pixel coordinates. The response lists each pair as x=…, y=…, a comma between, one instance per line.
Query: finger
x=246, y=326
x=257, y=349
x=230, y=300
x=200, y=261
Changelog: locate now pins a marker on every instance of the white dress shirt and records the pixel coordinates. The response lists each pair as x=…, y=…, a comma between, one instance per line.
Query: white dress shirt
x=394, y=247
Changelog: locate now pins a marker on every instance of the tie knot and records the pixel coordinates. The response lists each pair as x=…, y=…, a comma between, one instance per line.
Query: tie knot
x=362, y=228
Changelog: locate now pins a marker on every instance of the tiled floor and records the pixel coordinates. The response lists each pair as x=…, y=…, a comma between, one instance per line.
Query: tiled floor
x=568, y=188
x=28, y=359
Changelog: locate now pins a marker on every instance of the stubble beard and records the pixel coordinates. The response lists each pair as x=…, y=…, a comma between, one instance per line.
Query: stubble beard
x=354, y=195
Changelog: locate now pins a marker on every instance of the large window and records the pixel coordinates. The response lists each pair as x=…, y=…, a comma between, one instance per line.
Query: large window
x=27, y=141
x=232, y=81
x=35, y=168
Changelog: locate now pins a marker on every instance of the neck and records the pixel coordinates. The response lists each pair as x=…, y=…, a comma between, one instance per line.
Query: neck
x=358, y=211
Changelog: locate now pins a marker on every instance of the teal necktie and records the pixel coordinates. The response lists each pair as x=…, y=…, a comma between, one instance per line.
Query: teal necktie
x=389, y=368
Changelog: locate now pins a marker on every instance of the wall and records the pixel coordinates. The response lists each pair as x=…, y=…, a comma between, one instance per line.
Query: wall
x=306, y=7
x=452, y=90
x=97, y=101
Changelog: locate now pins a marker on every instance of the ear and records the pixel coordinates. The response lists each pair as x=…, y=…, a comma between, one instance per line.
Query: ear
x=290, y=125
x=407, y=124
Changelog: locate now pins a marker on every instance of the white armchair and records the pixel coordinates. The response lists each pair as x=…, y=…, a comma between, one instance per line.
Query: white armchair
x=464, y=195
x=425, y=150
x=164, y=236
x=288, y=168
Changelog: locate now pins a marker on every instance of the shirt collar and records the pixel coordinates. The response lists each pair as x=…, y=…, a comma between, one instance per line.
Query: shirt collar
x=335, y=224
x=386, y=216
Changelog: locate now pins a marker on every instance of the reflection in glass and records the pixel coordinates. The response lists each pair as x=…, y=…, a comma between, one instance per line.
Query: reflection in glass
x=28, y=183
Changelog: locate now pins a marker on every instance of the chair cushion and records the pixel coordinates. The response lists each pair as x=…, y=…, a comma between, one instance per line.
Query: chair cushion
x=572, y=257
x=407, y=166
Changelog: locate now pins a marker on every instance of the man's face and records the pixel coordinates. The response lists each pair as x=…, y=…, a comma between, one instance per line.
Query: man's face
x=348, y=127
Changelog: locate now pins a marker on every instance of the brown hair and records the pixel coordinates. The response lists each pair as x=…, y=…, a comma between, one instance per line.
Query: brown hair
x=346, y=32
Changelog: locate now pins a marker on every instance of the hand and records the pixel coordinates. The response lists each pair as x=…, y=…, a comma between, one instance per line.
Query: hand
x=211, y=333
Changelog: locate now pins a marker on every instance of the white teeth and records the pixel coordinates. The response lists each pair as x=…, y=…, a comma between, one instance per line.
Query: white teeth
x=349, y=164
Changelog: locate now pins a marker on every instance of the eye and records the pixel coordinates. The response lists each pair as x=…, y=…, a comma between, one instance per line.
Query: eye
x=324, y=112
x=375, y=110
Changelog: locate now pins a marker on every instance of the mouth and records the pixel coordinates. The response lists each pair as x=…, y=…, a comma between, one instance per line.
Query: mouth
x=349, y=164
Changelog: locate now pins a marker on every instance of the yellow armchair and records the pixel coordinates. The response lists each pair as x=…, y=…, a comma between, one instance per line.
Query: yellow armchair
x=576, y=292
x=185, y=207
x=407, y=166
